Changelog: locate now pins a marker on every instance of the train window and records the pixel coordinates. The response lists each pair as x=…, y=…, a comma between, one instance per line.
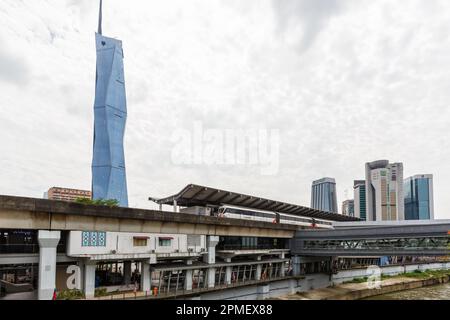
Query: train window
x=249, y=213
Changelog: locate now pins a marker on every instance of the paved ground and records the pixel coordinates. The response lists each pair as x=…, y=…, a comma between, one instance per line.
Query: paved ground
x=338, y=290
x=31, y=295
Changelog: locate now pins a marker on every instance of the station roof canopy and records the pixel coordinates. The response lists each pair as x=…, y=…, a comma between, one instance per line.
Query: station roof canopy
x=195, y=195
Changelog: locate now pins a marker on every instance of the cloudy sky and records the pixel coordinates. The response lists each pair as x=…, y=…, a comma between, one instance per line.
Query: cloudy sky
x=343, y=81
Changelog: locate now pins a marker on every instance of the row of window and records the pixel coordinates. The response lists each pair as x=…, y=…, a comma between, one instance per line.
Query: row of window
x=98, y=239
x=250, y=213
x=142, y=242
x=304, y=220
x=271, y=216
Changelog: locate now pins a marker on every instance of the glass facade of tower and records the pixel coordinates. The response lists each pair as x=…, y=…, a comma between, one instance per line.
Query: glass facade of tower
x=418, y=198
x=323, y=195
x=110, y=114
x=359, y=187
x=362, y=202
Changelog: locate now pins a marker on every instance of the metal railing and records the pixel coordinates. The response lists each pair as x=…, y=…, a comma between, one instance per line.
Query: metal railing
x=182, y=292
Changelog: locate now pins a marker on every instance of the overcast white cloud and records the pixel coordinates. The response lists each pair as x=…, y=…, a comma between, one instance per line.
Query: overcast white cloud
x=344, y=82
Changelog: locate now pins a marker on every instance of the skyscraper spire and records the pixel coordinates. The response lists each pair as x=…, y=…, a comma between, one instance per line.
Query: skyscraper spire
x=100, y=18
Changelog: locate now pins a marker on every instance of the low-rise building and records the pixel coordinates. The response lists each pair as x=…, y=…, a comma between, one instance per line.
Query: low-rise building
x=66, y=194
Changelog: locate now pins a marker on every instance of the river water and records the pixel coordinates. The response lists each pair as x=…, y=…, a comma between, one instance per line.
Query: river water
x=439, y=292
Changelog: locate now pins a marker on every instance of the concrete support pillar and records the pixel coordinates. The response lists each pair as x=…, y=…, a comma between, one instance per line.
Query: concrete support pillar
x=258, y=272
x=283, y=269
x=210, y=258
x=292, y=286
x=127, y=272
x=48, y=241
x=296, y=264
x=228, y=272
x=89, y=280
x=175, y=206
x=282, y=255
x=211, y=277
x=188, y=280
x=146, y=276
x=211, y=242
x=263, y=292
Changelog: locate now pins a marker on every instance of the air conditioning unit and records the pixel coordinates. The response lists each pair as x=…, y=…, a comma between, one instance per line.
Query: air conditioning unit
x=177, y=250
x=113, y=251
x=190, y=250
x=152, y=251
x=203, y=250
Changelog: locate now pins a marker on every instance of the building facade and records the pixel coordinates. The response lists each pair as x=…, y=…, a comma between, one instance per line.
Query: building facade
x=359, y=190
x=66, y=194
x=323, y=195
x=348, y=208
x=384, y=191
x=419, y=202
x=110, y=114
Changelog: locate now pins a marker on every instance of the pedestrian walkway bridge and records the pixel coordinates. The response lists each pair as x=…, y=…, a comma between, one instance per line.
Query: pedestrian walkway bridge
x=418, y=238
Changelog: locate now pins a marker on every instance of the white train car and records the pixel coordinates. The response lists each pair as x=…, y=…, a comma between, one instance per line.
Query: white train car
x=234, y=212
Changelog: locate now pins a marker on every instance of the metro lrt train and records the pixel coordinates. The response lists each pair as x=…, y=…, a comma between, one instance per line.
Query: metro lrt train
x=234, y=212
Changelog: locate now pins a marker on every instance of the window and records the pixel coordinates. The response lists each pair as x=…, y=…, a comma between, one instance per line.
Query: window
x=165, y=242
x=93, y=239
x=140, y=241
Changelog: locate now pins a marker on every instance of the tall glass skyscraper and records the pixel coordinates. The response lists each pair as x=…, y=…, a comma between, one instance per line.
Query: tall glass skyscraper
x=359, y=188
x=110, y=114
x=418, y=192
x=323, y=195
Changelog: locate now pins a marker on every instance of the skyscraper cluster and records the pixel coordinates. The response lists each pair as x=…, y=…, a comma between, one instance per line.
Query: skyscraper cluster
x=383, y=196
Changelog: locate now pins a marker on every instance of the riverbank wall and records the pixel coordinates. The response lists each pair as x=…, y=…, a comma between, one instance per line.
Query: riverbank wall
x=402, y=286
x=317, y=282
x=348, y=275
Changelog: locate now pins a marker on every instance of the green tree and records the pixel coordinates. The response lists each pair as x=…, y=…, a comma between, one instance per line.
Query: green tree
x=98, y=202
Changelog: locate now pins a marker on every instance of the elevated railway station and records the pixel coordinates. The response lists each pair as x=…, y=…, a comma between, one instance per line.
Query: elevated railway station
x=212, y=237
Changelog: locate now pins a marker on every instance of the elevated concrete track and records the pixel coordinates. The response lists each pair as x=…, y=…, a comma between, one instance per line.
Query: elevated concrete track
x=41, y=214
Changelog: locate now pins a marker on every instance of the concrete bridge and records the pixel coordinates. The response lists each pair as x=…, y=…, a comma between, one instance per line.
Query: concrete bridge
x=41, y=214
x=405, y=238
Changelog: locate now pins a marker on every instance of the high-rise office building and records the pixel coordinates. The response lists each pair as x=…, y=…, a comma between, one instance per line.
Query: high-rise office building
x=419, y=197
x=66, y=194
x=384, y=191
x=348, y=208
x=110, y=114
x=359, y=190
x=323, y=195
